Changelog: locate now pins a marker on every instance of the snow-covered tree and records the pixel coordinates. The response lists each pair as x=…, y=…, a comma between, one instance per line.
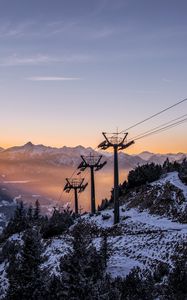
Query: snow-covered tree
x=24, y=274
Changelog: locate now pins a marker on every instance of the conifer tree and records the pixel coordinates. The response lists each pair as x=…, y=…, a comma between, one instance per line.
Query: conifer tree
x=26, y=281
x=105, y=249
x=36, y=214
x=18, y=222
x=30, y=213
x=82, y=267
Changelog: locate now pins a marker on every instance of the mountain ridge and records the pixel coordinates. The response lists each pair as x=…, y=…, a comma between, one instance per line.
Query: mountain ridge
x=71, y=155
x=30, y=145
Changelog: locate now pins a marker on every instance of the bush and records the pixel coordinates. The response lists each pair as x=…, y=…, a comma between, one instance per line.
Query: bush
x=57, y=224
x=144, y=174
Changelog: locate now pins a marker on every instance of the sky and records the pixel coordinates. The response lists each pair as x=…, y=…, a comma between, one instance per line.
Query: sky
x=72, y=69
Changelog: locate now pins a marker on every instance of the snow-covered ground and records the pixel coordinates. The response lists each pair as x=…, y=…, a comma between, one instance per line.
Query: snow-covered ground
x=55, y=249
x=173, y=178
x=146, y=240
x=140, y=240
x=3, y=280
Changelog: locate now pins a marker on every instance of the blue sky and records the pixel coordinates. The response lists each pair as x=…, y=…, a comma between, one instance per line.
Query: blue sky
x=71, y=69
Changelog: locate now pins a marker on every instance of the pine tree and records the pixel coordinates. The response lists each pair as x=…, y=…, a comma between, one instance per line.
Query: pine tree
x=18, y=222
x=26, y=281
x=30, y=213
x=82, y=267
x=105, y=249
x=31, y=260
x=57, y=224
x=54, y=290
x=177, y=283
x=14, y=274
x=37, y=213
x=105, y=289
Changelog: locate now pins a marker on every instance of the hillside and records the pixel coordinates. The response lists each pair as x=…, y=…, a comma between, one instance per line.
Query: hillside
x=143, y=238
x=146, y=237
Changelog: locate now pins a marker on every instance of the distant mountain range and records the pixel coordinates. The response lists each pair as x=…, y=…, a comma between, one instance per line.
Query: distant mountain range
x=160, y=158
x=70, y=156
x=31, y=172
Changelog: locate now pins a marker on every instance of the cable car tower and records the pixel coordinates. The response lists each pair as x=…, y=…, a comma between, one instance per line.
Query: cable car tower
x=93, y=162
x=76, y=184
x=118, y=142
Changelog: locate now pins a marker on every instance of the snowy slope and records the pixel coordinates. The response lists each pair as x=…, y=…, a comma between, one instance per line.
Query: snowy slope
x=145, y=239
x=54, y=250
x=173, y=178
x=140, y=240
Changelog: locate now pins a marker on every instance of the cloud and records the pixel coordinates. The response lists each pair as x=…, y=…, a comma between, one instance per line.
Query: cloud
x=82, y=28
x=41, y=59
x=53, y=78
x=15, y=60
x=11, y=30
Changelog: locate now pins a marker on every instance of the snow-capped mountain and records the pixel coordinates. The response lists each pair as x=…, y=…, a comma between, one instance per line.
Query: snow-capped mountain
x=32, y=150
x=145, y=155
x=70, y=156
x=160, y=158
x=29, y=151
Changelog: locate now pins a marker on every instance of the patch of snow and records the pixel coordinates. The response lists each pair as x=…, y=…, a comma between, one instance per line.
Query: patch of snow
x=153, y=220
x=4, y=203
x=57, y=248
x=174, y=179
x=3, y=280
x=17, y=237
x=16, y=198
x=121, y=265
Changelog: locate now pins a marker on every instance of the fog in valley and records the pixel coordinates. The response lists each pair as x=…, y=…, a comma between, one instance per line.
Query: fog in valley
x=31, y=180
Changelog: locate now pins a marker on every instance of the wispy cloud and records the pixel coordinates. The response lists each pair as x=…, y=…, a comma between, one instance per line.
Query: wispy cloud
x=83, y=28
x=34, y=29
x=43, y=59
x=12, y=30
x=59, y=27
x=108, y=5
x=53, y=78
x=15, y=60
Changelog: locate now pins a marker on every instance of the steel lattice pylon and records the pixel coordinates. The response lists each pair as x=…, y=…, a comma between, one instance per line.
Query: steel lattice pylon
x=92, y=161
x=77, y=184
x=118, y=142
